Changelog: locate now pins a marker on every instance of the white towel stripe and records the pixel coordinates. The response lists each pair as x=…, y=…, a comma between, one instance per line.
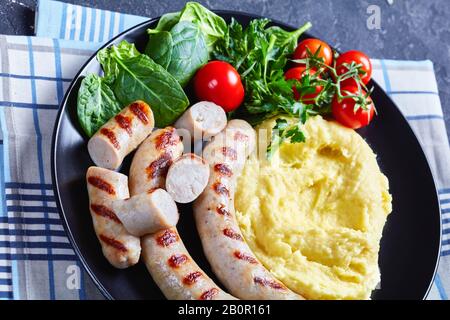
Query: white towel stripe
x=97, y=25
x=88, y=26
x=69, y=26
x=78, y=26
x=4, y=287
x=106, y=28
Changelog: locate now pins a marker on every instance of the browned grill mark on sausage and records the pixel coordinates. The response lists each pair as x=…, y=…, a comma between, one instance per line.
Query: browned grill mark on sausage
x=177, y=260
x=167, y=238
x=111, y=137
x=125, y=123
x=221, y=189
x=229, y=153
x=209, y=294
x=140, y=110
x=151, y=190
x=269, y=283
x=192, y=277
x=230, y=233
x=223, y=169
x=245, y=257
x=102, y=185
x=222, y=211
x=239, y=136
x=103, y=211
x=113, y=243
x=166, y=138
x=195, y=157
x=160, y=166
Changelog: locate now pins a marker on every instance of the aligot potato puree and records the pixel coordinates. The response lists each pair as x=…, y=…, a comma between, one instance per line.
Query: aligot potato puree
x=314, y=215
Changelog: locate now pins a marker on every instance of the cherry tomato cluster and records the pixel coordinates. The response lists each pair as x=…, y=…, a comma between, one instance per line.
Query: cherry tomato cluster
x=351, y=105
x=219, y=82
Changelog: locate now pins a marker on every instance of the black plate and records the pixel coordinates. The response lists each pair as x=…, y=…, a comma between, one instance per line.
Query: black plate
x=411, y=240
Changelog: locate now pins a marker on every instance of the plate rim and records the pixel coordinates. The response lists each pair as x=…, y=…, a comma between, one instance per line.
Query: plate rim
x=62, y=108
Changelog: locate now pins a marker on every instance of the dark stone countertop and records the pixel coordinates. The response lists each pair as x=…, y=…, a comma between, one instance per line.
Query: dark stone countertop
x=410, y=29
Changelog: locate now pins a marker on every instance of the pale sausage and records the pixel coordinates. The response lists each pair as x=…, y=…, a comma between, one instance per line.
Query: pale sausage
x=119, y=247
x=121, y=135
x=187, y=178
x=152, y=160
x=174, y=270
x=147, y=212
x=202, y=120
x=230, y=257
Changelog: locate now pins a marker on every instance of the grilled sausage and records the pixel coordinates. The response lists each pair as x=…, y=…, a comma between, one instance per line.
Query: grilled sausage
x=146, y=212
x=174, y=270
x=119, y=247
x=164, y=254
x=202, y=120
x=152, y=160
x=187, y=178
x=225, y=248
x=121, y=135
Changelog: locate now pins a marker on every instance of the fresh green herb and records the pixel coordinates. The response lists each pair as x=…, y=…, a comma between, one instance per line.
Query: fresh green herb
x=96, y=104
x=212, y=26
x=260, y=54
x=281, y=132
x=140, y=78
x=286, y=39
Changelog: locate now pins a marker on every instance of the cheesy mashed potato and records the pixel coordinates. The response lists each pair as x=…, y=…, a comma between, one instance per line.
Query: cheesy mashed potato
x=314, y=214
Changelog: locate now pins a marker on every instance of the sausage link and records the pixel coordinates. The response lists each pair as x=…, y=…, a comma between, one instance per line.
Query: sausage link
x=121, y=135
x=152, y=160
x=119, y=247
x=230, y=257
x=187, y=178
x=202, y=120
x=164, y=254
x=146, y=212
x=174, y=270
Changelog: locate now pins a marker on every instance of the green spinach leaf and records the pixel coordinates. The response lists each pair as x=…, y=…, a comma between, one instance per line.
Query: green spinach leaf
x=96, y=104
x=140, y=78
x=189, y=51
x=124, y=50
x=166, y=22
x=211, y=25
x=159, y=48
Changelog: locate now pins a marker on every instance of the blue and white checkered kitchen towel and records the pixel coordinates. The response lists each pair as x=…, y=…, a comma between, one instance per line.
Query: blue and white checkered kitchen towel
x=36, y=259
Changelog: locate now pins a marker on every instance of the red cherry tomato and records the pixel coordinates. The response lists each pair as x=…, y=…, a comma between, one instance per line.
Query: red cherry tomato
x=219, y=82
x=313, y=45
x=359, y=58
x=344, y=113
x=298, y=73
